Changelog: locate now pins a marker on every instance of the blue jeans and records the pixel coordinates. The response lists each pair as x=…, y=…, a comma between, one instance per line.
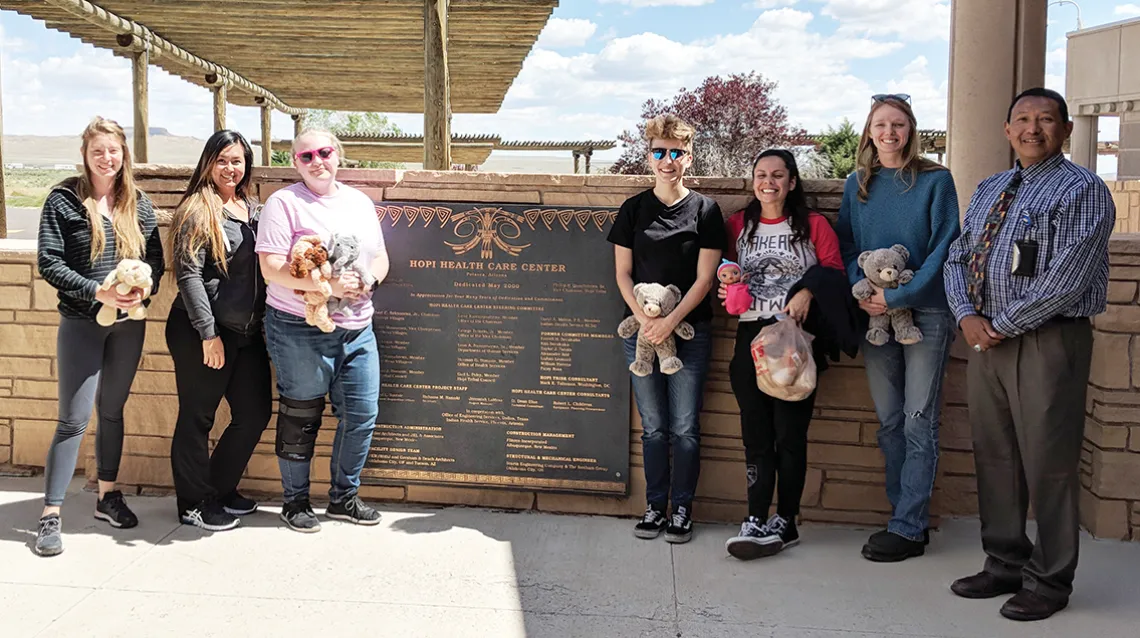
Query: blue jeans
x=906, y=385
x=670, y=408
x=344, y=364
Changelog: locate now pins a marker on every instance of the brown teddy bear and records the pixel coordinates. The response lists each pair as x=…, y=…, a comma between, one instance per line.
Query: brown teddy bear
x=886, y=268
x=655, y=301
x=310, y=260
x=128, y=275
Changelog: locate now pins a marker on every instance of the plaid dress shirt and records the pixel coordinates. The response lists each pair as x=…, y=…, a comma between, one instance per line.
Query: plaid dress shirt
x=1069, y=211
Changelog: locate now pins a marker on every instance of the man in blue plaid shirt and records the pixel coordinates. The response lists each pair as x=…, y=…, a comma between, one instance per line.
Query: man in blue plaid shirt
x=1029, y=269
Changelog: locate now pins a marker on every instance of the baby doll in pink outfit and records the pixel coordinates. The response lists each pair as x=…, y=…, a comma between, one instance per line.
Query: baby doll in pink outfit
x=739, y=300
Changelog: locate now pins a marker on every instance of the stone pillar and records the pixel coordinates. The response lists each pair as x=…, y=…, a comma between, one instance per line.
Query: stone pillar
x=1128, y=160
x=997, y=50
x=1083, y=143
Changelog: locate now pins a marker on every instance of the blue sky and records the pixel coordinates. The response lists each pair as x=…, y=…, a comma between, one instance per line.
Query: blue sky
x=591, y=69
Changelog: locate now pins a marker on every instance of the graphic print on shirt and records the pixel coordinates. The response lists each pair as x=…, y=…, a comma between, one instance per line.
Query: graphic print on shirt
x=774, y=264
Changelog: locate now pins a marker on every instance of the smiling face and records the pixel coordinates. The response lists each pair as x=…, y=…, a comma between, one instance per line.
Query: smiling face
x=890, y=130
x=228, y=169
x=1036, y=129
x=320, y=172
x=772, y=181
x=104, y=156
x=667, y=169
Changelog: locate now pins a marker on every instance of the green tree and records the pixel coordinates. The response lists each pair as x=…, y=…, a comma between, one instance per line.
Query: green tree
x=839, y=146
x=352, y=123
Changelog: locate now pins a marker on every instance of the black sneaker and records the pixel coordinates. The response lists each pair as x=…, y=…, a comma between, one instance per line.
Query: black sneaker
x=209, y=516
x=353, y=510
x=784, y=529
x=892, y=548
x=48, y=540
x=299, y=516
x=652, y=523
x=680, y=528
x=881, y=535
x=755, y=540
x=113, y=509
x=238, y=505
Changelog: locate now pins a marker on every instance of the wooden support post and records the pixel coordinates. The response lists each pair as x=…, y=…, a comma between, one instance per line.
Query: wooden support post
x=266, y=135
x=140, y=65
x=219, y=107
x=577, y=156
x=437, y=88
x=588, y=153
x=3, y=193
x=297, y=126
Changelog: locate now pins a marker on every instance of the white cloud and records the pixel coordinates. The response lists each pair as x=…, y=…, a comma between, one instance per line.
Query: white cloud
x=1127, y=10
x=770, y=4
x=926, y=98
x=563, y=33
x=914, y=20
x=660, y=3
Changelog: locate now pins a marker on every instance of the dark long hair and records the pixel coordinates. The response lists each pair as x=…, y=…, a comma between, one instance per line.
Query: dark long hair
x=198, y=219
x=795, y=205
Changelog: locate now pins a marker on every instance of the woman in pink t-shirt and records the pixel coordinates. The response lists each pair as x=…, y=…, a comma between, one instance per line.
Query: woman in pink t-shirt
x=310, y=363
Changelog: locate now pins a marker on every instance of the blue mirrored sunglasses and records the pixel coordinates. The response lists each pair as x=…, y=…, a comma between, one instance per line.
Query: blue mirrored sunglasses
x=674, y=153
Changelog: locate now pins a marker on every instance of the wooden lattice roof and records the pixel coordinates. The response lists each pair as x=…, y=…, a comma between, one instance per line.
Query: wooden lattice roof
x=348, y=55
x=465, y=149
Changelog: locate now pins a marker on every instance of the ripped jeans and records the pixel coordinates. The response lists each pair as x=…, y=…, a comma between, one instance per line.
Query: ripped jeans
x=906, y=385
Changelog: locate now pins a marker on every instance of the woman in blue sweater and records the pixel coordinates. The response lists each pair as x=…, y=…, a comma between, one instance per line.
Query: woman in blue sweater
x=895, y=196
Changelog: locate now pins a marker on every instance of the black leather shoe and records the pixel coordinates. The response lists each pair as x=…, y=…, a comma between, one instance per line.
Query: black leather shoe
x=880, y=535
x=892, y=548
x=1026, y=605
x=984, y=585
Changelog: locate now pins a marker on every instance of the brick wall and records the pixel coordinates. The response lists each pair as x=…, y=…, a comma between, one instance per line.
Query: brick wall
x=1127, y=198
x=845, y=477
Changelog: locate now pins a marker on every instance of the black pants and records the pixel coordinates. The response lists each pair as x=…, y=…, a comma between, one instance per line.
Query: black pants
x=1027, y=408
x=245, y=383
x=774, y=432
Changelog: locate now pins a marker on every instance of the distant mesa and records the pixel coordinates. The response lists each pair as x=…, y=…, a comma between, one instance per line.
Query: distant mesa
x=152, y=131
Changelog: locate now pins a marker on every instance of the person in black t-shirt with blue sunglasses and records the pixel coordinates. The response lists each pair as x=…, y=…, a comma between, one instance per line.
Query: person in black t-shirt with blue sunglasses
x=670, y=235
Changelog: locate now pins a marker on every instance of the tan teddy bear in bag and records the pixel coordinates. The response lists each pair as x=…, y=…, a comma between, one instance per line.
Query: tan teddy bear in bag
x=128, y=275
x=655, y=301
x=310, y=260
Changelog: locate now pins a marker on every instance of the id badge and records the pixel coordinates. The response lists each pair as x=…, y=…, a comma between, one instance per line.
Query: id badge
x=1024, y=257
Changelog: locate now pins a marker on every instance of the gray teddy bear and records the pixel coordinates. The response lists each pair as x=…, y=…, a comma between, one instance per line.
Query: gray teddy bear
x=655, y=301
x=886, y=268
x=344, y=253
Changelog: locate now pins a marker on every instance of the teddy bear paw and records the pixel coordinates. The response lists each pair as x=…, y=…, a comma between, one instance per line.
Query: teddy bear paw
x=671, y=365
x=909, y=336
x=641, y=368
x=685, y=331
x=877, y=337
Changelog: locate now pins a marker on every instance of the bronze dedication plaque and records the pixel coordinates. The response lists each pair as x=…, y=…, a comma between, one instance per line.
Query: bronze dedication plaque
x=499, y=355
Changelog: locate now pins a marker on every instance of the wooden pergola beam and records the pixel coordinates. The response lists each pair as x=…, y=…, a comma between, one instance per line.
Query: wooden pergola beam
x=437, y=88
x=116, y=24
x=266, y=134
x=219, y=106
x=140, y=65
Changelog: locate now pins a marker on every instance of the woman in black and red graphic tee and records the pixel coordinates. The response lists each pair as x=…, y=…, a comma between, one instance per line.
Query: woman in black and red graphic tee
x=794, y=271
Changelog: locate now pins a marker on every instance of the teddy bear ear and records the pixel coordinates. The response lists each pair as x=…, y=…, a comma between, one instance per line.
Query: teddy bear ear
x=675, y=290
x=900, y=249
x=638, y=288
x=864, y=256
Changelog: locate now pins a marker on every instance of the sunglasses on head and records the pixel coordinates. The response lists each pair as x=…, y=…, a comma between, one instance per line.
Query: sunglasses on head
x=674, y=153
x=307, y=157
x=882, y=97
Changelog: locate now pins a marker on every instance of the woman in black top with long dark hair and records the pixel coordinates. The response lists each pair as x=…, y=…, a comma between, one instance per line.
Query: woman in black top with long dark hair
x=214, y=335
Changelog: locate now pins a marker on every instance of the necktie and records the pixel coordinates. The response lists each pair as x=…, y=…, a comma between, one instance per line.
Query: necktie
x=975, y=285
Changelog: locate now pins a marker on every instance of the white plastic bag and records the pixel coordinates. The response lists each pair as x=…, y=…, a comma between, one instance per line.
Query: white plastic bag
x=785, y=368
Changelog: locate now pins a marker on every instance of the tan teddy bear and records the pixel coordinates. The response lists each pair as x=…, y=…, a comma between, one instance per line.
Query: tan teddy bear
x=128, y=275
x=655, y=301
x=310, y=260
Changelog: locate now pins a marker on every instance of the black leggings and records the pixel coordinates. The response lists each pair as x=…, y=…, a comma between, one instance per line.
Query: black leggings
x=244, y=381
x=774, y=432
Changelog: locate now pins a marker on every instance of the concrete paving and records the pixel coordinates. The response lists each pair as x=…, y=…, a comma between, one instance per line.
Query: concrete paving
x=460, y=572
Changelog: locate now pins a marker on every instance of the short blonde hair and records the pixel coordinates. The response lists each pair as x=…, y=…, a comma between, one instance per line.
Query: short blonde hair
x=670, y=127
x=332, y=138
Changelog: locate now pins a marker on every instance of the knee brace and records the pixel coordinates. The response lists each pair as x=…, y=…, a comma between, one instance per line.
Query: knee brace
x=297, y=426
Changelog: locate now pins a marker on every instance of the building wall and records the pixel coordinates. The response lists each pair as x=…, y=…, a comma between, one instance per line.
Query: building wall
x=1126, y=195
x=845, y=477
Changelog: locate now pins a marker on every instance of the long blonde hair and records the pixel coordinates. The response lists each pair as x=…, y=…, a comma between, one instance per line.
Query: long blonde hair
x=867, y=156
x=129, y=241
x=199, y=216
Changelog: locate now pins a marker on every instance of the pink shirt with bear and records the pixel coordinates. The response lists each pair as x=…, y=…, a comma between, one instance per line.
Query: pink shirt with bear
x=295, y=211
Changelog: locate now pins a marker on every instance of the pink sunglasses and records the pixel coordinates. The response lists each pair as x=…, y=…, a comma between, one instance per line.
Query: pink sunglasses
x=307, y=157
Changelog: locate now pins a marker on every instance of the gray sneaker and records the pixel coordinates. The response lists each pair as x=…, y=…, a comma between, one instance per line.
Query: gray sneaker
x=353, y=510
x=299, y=516
x=48, y=540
